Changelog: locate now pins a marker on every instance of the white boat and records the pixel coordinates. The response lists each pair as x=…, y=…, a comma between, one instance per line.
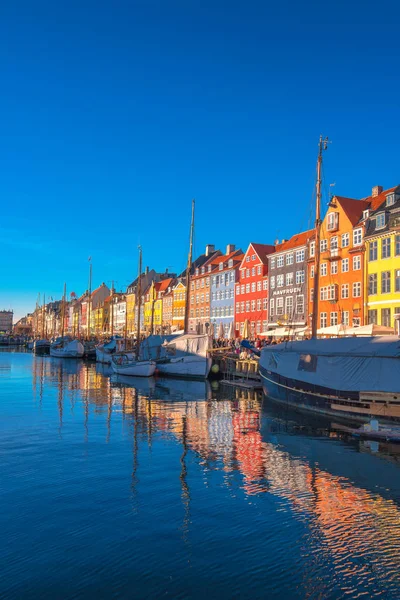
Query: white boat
x=104, y=352
x=66, y=348
x=125, y=365
x=41, y=347
x=186, y=356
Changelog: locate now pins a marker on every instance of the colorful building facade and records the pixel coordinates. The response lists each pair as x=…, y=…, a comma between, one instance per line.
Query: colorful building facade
x=221, y=295
x=251, y=291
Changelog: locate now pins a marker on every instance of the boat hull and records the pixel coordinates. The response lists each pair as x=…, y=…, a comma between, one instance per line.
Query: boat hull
x=351, y=405
x=41, y=348
x=71, y=350
x=103, y=357
x=196, y=367
x=140, y=368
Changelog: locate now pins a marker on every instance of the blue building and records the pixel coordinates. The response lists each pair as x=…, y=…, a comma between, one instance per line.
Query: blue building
x=224, y=274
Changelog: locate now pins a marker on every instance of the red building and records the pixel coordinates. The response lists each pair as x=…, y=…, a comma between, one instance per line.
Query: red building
x=251, y=292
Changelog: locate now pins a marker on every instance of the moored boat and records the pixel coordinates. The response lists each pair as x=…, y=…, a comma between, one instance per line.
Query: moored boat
x=122, y=364
x=105, y=351
x=186, y=356
x=41, y=347
x=67, y=348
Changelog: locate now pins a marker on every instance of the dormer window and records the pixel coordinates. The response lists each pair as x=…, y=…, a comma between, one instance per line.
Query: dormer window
x=203, y=270
x=221, y=266
x=380, y=220
x=209, y=268
x=390, y=200
x=197, y=271
x=365, y=214
x=230, y=263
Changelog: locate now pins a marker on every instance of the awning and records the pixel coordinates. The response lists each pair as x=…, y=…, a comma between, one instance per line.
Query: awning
x=371, y=329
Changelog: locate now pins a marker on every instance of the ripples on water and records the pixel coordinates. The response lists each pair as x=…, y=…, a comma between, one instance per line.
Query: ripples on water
x=125, y=488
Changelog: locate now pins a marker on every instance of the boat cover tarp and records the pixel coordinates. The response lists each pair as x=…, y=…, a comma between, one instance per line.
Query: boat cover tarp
x=188, y=343
x=152, y=348
x=341, y=364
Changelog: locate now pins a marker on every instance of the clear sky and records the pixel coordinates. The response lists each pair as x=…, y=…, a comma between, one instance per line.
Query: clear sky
x=115, y=114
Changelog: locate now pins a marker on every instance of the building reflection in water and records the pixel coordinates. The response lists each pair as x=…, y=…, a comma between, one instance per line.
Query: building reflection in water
x=224, y=434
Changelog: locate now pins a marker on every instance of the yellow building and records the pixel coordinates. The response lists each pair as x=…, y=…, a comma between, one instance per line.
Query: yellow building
x=382, y=273
x=130, y=312
x=178, y=311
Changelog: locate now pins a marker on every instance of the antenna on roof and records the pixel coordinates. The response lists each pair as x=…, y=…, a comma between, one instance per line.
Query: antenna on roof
x=331, y=186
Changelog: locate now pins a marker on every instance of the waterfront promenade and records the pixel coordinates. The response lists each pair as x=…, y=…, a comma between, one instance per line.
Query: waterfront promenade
x=150, y=488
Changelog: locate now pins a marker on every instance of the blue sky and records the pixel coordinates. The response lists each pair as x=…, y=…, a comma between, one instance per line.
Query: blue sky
x=116, y=114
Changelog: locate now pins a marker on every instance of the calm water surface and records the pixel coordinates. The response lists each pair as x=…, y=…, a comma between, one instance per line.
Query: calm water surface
x=125, y=488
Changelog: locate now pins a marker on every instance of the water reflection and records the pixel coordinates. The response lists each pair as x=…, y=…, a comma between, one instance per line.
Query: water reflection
x=346, y=492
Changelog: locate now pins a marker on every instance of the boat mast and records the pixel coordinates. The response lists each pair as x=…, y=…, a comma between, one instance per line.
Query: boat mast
x=138, y=294
x=323, y=145
x=43, y=314
x=188, y=269
x=63, y=310
x=112, y=309
x=90, y=297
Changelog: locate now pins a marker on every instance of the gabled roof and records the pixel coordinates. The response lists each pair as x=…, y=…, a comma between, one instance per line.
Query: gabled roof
x=262, y=251
x=163, y=285
x=352, y=208
x=237, y=255
x=297, y=240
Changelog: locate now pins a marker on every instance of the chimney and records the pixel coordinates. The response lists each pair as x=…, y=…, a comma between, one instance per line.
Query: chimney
x=230, y=248
x=276, y=242
x=210, y=248
x=166, y=271
x=376, y=190
x=146, y=271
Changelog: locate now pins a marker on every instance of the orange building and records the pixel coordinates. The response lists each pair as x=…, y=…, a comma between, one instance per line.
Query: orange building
x=341, y=284
x=178, y=308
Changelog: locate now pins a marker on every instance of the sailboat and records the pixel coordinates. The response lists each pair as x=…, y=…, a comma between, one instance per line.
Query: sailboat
x=124, y=363
x=42, y=346
x=65, y=347
x=357, y=378
x=186, y=355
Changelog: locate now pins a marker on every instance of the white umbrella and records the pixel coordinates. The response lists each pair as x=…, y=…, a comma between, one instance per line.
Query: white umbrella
x=221, y=331
x=231, y=332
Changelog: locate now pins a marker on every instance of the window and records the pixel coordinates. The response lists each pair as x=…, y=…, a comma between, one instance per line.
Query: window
x=265, y=304
x=280, y=281
x=357, y=289
x=385, y=283
x=289, y=306
x=312, y=248
x=397, y=280
x=207, y=282
x=328, y=292
x=357, y=263
x=253, y=271
x=312, y=271
x=279, y=261
x=265, y=284
x=372, y=284
x=373, y=250
x=238, y=290
x=345, y=317
x=242, y=307
x=397, y=245
x=323, y=319
x=289, y=278
x=345, y=265
x=299, y=277
x=334, y=318
x=272, y=263
x=253, y=286
x=242, y=288
x=357, y=237
x=289, y=258
x=247, y=288
x=333, y=219
x=365, y=214
x=334, y=268
x=373, y=317
x=385, y=317
x=334, y=243
x=300, y=304
x=390, y=200
x=323, y=245
x=299, y=256
x=247, y=306
x=345, y=240
x=272, y=282
x=253, y=305
x=324, y=269
x=221, y=266
x=380, y=221
x=279, y=306
x=258, y=286
x=271, y=308
x=259, y=270
x=253, y=257
x=386, y=248
x=247, y=272
x=247, y=258
x=230, y=263
x=259, y=304
x=258, y=327
x=237, y=307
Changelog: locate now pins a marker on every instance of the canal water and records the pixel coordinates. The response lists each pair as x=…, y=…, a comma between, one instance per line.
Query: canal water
x=126, y=488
